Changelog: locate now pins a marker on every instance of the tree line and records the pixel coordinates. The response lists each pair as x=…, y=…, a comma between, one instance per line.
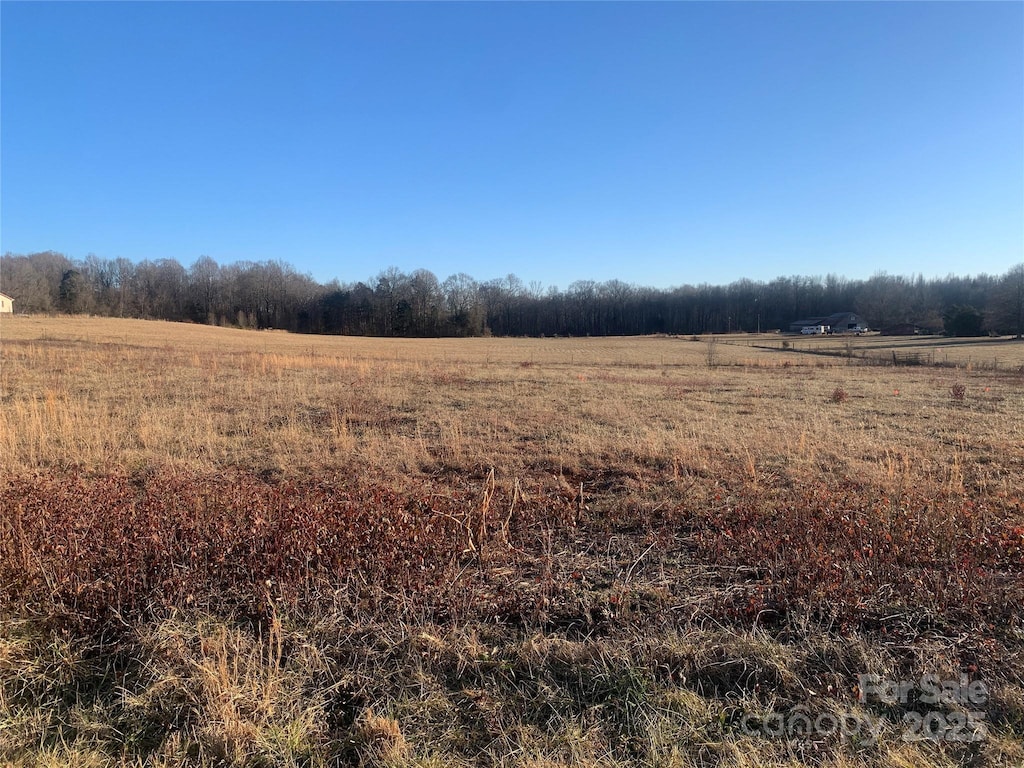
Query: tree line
x=272, y=294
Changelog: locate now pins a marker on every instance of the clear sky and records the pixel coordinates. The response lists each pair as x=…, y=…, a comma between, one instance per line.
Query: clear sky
x=657, y=143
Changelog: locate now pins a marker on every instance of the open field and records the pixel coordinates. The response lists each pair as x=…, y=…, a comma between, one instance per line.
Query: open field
x=1001, y=353
x=227, y=547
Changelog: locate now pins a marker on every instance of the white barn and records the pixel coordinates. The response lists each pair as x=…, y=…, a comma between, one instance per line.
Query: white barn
x=6, y=304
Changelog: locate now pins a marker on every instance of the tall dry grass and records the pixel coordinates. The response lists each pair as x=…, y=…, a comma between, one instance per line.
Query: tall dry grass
x=100, y=394
x=571, y=552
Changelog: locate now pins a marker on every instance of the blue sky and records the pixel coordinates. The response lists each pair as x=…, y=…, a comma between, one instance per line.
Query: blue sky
x=657, y=143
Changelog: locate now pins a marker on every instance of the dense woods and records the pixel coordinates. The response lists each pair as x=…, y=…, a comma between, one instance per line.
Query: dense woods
x=272, y=294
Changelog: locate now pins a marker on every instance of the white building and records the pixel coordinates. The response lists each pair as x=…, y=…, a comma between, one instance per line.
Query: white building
x=840, y=322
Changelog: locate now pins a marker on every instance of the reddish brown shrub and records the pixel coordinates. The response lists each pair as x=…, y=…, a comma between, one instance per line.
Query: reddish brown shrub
x=850, y=553
x=114, y=544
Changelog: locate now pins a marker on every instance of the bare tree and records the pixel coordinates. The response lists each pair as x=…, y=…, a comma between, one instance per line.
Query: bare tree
x=1007, y=306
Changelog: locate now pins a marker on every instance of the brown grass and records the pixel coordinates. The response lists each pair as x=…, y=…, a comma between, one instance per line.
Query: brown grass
x=493, y=551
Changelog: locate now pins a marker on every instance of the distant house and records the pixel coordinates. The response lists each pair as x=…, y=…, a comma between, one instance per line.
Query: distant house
x=6, y=303
x=840, y=322
x=901, y=329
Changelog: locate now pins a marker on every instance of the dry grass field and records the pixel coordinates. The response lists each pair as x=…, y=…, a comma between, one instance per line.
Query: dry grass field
x=238, y=548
